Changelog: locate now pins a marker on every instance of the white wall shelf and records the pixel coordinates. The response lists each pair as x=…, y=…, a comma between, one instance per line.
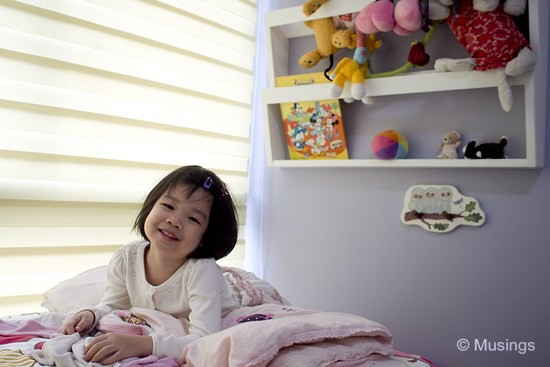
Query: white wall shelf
x=284, y=25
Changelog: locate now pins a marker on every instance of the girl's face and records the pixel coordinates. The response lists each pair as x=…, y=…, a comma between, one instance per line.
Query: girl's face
x=177, y=222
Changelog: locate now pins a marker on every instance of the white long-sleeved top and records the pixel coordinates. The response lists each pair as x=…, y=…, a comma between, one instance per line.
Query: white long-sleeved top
x=196, y=292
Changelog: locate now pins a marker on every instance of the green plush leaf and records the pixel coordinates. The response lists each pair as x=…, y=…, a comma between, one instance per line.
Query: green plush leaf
x=441, y=226
x=474, y=217
x=471, y=206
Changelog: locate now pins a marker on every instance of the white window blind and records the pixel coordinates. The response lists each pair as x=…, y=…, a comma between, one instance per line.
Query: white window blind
x=99, y=99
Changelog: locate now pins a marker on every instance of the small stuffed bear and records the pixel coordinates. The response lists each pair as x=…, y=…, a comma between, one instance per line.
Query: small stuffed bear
x=486, y=150
x=449, y=145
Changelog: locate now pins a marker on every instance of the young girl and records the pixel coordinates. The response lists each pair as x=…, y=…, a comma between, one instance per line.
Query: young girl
x=188, y=221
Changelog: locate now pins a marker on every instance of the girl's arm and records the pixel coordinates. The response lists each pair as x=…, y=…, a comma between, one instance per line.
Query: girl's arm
x=116, y=292
x=116, y=295
x=205, y=287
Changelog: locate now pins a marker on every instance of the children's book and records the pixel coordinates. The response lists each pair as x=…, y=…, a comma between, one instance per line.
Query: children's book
x=313, y=129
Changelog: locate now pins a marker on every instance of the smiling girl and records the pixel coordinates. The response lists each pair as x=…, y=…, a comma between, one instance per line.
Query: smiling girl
x=188, y=221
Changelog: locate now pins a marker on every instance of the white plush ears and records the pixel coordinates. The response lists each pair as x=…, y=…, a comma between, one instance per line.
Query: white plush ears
x=438, y=10
x=512, y=7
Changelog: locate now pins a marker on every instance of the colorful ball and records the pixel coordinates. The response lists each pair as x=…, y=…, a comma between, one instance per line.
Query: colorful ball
x=390, y=144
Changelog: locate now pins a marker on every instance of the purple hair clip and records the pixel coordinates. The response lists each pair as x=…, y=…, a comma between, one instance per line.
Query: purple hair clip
x=223, y=191
x=207, y=183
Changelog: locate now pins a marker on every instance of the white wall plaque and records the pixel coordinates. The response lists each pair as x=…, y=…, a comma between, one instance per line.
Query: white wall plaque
x=440, y=208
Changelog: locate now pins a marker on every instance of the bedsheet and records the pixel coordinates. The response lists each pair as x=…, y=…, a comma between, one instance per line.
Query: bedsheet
x=264, y=335
x=265, y=332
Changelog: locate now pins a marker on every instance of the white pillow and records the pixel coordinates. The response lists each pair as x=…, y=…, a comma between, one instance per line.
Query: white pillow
x=85, y=290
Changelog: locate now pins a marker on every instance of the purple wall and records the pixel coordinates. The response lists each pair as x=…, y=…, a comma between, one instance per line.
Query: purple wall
x=333, y=240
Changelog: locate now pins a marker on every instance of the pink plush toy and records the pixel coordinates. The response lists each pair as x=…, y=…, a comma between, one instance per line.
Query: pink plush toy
x=382, y=16
x=408, y=17
x=376, y=17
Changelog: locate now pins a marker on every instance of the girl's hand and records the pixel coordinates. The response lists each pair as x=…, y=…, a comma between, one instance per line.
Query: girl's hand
x=80, y=322
x=110, y=348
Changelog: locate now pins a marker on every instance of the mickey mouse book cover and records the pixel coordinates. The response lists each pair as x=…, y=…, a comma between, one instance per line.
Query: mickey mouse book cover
x=313, y=129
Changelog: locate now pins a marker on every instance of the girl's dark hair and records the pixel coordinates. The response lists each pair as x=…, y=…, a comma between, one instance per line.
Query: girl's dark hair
x=222, y=232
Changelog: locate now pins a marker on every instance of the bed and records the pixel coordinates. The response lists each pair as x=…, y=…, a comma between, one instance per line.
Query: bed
x=266, y=331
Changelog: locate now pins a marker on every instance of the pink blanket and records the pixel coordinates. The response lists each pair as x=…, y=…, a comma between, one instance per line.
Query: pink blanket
x=255, y=336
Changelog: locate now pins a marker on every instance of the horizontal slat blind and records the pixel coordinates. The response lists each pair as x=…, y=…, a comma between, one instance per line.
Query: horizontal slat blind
x=99, y=99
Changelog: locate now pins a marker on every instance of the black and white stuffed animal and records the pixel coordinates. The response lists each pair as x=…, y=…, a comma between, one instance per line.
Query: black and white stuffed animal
x=486, y=150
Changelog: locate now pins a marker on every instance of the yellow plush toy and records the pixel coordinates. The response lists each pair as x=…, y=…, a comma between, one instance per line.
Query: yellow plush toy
x=348, y=36
x=344, y=38
x=323, y=29
x=311, y=6
x=348, y=70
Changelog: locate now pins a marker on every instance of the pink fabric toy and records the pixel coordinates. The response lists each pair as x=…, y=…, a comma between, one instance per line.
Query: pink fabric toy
x=376, y=17
x=408, y=17
x=382, y=16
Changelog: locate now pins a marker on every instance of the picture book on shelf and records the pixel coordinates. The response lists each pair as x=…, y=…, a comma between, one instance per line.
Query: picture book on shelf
x=313, y=129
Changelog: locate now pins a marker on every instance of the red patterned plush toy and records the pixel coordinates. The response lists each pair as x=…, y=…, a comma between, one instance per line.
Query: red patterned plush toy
x=493, y=41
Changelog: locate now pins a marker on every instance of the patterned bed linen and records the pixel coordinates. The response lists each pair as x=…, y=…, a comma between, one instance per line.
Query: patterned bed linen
x=264, y=335
x=266, y=331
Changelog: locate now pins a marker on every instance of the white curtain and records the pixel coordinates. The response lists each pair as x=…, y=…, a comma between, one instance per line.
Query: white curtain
x=258, y=171
x=258, y=179
x=99, y=99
